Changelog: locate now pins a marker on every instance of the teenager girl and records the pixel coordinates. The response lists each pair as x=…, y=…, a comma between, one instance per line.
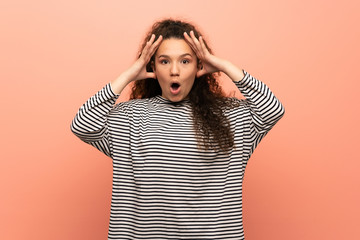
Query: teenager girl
x=179, y=146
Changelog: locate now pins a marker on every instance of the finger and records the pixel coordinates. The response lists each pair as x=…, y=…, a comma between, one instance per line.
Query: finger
x=194, y=44
x=150, y=47
x=150, y=75
x=159, y=40
x=194, y=39
x=188, y=38
x=197, y=44
x=147, y=46
x=151, y=40
x=189, y=41
x=203, y=46
x=155, y=45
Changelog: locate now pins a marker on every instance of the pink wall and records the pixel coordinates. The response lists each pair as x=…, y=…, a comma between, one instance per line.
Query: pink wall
x=302, y=182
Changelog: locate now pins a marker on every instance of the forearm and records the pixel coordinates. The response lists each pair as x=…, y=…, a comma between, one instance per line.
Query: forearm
x=118, y=84
x=233, y=72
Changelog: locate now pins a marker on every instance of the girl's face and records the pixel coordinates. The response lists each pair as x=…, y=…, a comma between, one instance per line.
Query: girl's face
x=175, y=68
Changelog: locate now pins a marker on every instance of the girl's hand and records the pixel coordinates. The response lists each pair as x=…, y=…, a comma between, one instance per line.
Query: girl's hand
x=138, y=70
x=208, y=62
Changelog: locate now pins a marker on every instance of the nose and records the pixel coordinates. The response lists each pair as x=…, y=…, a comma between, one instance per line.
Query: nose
x=174, y=70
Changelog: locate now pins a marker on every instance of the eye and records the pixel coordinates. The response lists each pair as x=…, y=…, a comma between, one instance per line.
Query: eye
x=164, y=61
x=185, y=61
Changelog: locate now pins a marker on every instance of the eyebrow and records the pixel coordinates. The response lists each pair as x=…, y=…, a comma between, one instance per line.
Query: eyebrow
x=182, y=55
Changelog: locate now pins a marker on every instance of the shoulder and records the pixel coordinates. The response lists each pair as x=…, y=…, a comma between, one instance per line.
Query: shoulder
x=131, y=104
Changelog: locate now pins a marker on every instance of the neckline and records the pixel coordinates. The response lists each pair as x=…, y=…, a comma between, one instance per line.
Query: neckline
x=161, y=99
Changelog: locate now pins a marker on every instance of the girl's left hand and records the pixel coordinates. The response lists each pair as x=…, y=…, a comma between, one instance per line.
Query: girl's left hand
x=208, y=62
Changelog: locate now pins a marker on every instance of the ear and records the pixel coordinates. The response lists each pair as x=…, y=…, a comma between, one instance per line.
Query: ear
x=199, y=68
x=199, y=65
x=201, y=71
x=152, y=65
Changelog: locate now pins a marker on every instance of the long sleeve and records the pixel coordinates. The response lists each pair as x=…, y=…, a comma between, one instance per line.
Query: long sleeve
x=90, y=122
x=266, y=109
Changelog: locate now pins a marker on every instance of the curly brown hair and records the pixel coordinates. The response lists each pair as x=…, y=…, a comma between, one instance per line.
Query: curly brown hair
x=207, y=99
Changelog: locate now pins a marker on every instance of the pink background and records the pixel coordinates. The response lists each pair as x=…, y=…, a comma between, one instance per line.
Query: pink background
x=302, y=182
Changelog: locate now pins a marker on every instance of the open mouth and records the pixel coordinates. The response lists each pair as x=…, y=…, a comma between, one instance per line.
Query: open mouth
x=175, y=86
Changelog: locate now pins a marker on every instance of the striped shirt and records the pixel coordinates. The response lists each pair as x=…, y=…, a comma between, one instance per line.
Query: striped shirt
x=164, y=186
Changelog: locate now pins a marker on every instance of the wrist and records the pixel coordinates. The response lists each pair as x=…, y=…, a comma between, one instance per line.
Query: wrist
x=225, y=66
x=233, y=72
x=118, y=84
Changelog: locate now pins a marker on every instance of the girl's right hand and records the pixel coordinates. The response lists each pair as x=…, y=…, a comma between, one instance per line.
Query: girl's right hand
x=138, y=70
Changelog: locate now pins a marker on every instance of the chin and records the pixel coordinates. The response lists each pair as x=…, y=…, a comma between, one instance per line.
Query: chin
x=176, y=98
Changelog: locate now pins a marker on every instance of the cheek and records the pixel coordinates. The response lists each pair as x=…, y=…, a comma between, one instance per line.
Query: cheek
x=160, y=71
x=161, y=82
x=192, y=74
x=161, y=79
